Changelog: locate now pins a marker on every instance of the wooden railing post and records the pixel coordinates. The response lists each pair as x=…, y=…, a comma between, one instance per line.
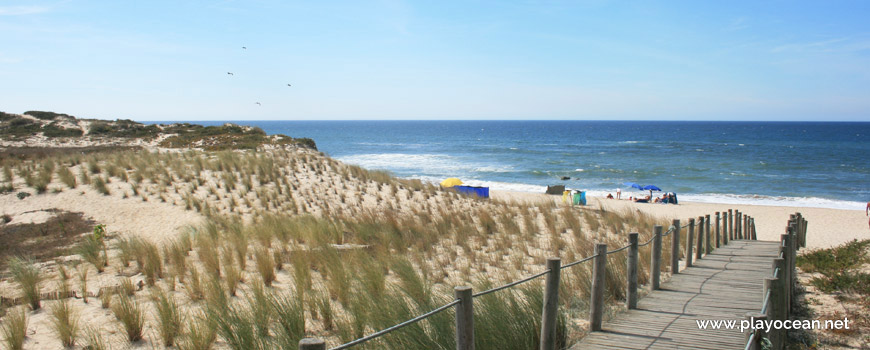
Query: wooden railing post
x=312, y=344
x=464, y=318
x=792, y=248
x=787, y=272
x=707, y=233
x=551, y=305
x=731, y=224
x=656, y=256
x=699, y=248
x=718, y=237
x=753, y=317
x=752, y=229
x=690, y=238
x=738, y=230
x=675, y=248
x=776, y=310
x=599, y=270
x=746, y=232
x=631, y=265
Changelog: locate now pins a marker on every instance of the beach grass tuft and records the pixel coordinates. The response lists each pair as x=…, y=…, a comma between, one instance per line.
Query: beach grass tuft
x=14, y=328
x=27, y=275
x=169, y=318
x=128, y=311
x=65, y=321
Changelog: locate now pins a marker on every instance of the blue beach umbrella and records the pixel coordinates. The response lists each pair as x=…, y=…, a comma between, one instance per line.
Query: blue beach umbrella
x=632, y=184
x=651, y=188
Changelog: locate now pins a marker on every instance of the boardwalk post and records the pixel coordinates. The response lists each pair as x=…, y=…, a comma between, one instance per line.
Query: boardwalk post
x=464, y=318
x=746, y=229
x=631, y=262
x=690, y=238
x=792, y=268
x=738, y=230
x=787, y=271
x=675, y=248
x=699, y=248
x=718, y=237
x=312, y=344
x=752, y=229
x=753, y=318
x=776, y=310
x=551, y=305
x=725, y=237
x=656, y=265
x=596, y=306
x=707, y=233
x=731, y=224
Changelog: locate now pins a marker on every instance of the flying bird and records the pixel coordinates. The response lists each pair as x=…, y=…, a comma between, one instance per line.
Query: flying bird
x=288, y=84
x=258, y=103
x=229, y=73
x=244, y=48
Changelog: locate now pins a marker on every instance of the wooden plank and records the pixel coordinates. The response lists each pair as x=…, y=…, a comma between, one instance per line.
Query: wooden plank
x=725, y=285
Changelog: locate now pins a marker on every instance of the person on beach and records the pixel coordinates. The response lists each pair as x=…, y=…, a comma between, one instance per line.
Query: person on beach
x=619, y=195
x=610, y=196
x=867, y=210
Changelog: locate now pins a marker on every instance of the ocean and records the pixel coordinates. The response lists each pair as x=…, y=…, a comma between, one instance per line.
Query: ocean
x=809, y=164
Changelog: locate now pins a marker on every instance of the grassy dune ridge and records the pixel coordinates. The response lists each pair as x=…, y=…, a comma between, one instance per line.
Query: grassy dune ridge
x=297, y=244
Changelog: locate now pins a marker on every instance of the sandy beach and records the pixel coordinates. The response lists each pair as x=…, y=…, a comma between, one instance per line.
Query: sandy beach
x=826, y=227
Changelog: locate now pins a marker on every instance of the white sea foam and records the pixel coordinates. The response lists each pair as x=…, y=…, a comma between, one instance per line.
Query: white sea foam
x=436, y=163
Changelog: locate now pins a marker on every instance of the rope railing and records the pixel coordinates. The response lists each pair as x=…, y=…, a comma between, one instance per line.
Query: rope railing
x=524, y=280
x=618, y=250
x=577, y=262
x=780, y=287
x=398, y=326
x=457, y=301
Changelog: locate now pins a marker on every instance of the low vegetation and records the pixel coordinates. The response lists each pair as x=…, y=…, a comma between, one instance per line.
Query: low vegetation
x=299, y=244
x=840, y=268
x=841, y=289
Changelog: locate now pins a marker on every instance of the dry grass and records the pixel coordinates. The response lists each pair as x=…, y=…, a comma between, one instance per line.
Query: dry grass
x=28, y=277
x=131, y=316
x=419, y=241
x=65, y=322
x=14, y=329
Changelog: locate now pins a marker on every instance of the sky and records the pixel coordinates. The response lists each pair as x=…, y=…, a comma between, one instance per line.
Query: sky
x=391, y=59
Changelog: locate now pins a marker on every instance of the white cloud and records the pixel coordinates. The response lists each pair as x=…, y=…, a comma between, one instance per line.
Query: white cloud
x=22, y=10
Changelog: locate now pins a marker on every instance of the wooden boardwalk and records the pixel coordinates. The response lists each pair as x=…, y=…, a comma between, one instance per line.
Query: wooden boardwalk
x=725, y=284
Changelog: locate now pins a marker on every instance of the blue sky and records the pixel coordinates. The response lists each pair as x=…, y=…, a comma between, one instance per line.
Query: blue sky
x=686, y=60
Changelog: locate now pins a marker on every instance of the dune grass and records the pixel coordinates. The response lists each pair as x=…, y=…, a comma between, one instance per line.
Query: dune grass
x=27, y=275
x=290, y=319
x=91, y=250
x=83, y=271
x=65, y=322
x=199, y=335
x=14, y=328
x=132, y=317
x=95, y=340
x=169, y=318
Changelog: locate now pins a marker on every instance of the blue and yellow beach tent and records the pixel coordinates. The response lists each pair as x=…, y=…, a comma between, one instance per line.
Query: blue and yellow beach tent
x=450, y=182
